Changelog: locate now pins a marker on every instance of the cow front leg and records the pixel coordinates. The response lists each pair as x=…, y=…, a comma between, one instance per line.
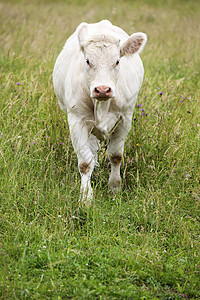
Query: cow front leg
x=86, y=169
x=115, y=178
x=115, y=151
x=86, y=147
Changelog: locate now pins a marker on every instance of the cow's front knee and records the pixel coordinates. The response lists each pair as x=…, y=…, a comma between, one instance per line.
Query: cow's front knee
x=116, y=159
x=84, y=168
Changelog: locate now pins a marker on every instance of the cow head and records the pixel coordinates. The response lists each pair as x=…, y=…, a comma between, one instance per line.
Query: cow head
x=102, y=55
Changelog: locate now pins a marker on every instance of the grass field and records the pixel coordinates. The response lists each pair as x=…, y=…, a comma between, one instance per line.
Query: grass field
x=142, y=243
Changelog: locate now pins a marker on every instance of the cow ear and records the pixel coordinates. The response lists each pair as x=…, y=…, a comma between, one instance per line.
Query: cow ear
x=82, y=35
x=134, y=44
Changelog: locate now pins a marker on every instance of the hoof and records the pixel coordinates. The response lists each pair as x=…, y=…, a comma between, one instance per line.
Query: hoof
x=115, y=185
x=86, y=197
x=87, y=202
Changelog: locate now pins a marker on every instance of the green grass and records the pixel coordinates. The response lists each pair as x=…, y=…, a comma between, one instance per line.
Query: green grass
x=140, y=244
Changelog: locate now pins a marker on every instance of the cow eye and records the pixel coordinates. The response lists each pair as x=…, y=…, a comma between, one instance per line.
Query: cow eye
x=117, y=62
x=87, y=61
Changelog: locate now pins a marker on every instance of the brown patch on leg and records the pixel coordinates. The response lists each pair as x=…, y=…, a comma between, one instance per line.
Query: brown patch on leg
x=84, y=168
x=116, y=159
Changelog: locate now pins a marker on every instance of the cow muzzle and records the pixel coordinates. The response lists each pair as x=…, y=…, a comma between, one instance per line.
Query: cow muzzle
x=102, y=92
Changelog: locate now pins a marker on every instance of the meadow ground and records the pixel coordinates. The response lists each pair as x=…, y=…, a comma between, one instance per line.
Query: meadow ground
x=142, y=243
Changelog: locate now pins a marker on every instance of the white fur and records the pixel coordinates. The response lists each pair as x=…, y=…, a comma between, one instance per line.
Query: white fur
x=102, y=44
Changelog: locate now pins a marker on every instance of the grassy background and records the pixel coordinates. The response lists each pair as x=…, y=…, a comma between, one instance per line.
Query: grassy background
x=140, y=244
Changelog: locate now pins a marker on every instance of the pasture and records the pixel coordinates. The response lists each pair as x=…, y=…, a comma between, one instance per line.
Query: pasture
x=142, y=243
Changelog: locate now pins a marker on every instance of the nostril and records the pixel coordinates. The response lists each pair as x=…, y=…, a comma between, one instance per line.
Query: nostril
x=108, y=90
x=96, y=91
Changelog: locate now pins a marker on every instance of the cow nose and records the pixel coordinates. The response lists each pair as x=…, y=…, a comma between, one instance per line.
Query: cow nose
x=102, y=91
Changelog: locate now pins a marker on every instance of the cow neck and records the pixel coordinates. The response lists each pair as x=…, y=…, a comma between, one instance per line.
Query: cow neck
x=101, y=109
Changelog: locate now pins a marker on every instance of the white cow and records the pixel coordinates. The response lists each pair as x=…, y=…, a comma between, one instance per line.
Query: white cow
x=96, y=78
